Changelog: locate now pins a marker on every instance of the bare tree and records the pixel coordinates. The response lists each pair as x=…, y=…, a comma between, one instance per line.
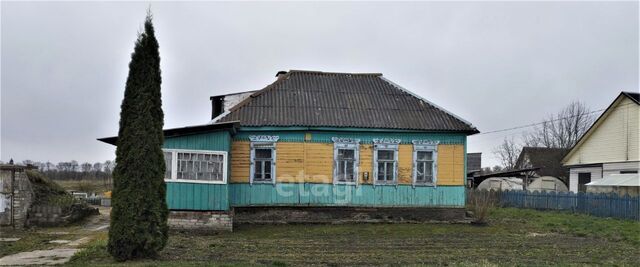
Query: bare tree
x=109, y=165
x=97, y=167
x=563, y=129
x=73, y=166
x=508, y=153
x=86, y=167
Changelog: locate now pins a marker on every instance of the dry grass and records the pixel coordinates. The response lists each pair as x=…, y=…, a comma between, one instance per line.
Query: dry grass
x=513, y=237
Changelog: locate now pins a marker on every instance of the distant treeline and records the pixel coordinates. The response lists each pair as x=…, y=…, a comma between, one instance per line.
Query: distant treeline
x=73, y=170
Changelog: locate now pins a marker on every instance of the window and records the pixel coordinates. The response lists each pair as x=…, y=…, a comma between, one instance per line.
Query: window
x=425, y=155
x=386, y=166
x=583, y=179
x=385, y=161
x=346, y=160
x=424, y=164
x=195, y=166
x=263, y=159
x=168, y=163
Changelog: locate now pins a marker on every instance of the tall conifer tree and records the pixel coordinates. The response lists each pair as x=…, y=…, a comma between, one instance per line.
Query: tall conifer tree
x=139, y=215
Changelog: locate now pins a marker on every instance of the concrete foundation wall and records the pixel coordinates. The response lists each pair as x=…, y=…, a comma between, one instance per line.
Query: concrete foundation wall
x=206, y=221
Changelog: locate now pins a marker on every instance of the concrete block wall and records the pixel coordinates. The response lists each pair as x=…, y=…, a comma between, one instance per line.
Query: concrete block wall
x=46, y=216
x=22, y=198
x=206, y=221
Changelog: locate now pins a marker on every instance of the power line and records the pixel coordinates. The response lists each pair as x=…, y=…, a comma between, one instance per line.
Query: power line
x=547, y=121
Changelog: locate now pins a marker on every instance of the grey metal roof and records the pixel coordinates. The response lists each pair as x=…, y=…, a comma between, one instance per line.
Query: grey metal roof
x=323, y=99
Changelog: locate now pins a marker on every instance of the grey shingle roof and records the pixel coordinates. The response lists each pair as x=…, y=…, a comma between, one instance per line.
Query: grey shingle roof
x=322, y=99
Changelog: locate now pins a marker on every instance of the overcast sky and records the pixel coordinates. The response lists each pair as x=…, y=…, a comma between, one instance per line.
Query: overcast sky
x=498, y=65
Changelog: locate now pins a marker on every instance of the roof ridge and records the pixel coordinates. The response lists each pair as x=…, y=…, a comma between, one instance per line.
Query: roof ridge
x=336, y=73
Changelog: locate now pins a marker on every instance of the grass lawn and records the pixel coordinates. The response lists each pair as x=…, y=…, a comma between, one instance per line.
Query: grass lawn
x=523, y=237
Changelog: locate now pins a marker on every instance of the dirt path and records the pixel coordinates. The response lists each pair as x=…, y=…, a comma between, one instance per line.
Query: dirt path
x=65, y=248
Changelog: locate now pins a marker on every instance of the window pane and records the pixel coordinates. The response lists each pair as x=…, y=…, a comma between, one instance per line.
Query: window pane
x=340, y=170
x=389, y=171
x=425, y=155
x=267, y=170
x=428, y=168
x=349, y=173
x=381, y=172
x=257, y=174
x=263, y=153
x=420, y=171
x=167, y=163
x=346, y=154
x=385, y=155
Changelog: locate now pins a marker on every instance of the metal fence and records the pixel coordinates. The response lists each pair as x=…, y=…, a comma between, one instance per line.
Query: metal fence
x=601, y=205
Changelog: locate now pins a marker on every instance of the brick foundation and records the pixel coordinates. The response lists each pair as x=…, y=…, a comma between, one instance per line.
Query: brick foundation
x=206, y=221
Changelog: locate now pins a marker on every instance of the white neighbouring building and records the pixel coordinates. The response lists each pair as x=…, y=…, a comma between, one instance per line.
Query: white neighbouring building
x=609, y=147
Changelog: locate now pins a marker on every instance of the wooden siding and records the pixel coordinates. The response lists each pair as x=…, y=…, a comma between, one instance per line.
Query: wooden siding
x=216, y=141
x=313, y=163
x=451, y=165
x=366, y=137
x=318, y=162
x=195, y=196
x=613, y=139
x=240, y=162
x=309, y=194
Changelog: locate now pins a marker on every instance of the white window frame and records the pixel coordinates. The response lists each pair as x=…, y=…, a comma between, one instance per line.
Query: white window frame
x=425, y=146
x=263, y=141
x=351, y=144
x=385, y=144
x=174, y=165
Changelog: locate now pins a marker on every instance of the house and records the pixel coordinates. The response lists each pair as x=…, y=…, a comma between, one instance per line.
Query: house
x=546, y=160
x=474, y=165
x=318, y=140
x=609, y=147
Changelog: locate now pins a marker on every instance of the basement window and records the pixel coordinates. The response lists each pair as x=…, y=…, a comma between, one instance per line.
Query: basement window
x=345, y=160
x=195, y=166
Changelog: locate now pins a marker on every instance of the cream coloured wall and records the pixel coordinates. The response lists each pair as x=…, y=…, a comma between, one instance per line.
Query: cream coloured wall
x=613, y=139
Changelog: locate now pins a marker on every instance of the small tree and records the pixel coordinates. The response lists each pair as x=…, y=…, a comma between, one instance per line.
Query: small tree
x=563, y=129
x=507, y=152
x=139, y=215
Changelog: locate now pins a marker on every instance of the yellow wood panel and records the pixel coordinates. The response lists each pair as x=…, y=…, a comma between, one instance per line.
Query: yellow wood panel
x=405, y=164
x=290, y=162
x=318, y=162
x=313, y=163
x=366, y=163
x=240, y=162
x=450, y=165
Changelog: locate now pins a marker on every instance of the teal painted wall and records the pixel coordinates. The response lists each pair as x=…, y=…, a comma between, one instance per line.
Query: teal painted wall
x=193, y=196
x=366, y=137
x=217, y=141
x=345, y=195
x=196, y=196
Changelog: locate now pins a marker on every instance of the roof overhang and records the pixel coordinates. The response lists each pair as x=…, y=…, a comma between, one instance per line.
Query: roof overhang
x=189, y=130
